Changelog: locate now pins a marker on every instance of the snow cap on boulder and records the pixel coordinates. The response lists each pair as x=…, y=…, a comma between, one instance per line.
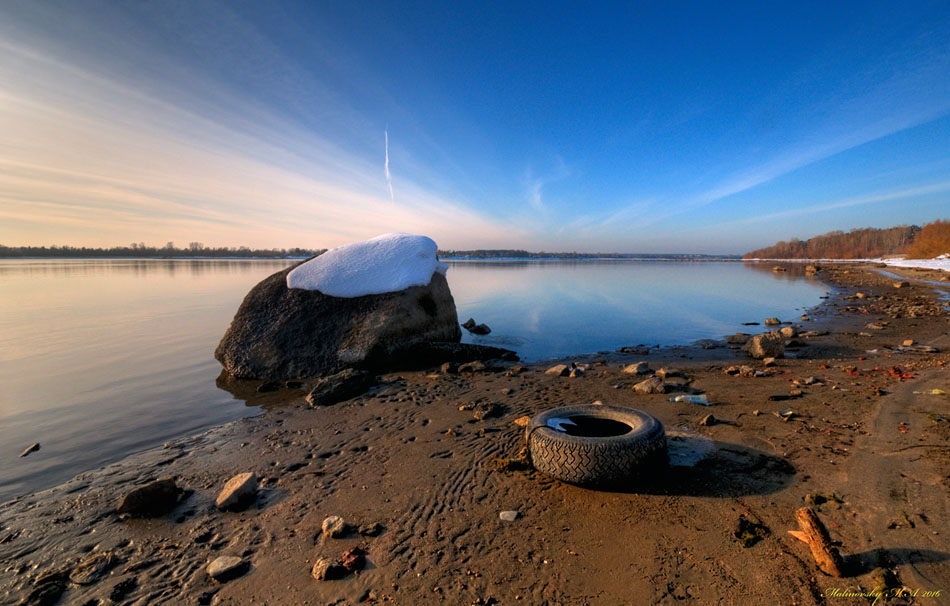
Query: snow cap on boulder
x=387, y=263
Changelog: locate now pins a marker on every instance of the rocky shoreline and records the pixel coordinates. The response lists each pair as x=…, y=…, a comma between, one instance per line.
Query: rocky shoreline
x=433, y=506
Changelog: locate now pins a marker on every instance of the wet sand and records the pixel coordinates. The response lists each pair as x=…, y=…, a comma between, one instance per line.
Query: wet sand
x=867, y=443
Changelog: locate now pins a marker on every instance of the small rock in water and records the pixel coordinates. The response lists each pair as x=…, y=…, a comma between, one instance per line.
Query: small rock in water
x=561, y=370
x=225, y=568
x=268, y=386
x=772, y=321
x=651, y=385
x=32, y=448
x=334, y=527
x=353, y=559
x=152, y=500
x=327, y=570
x=789, y=332
x=238, y=492
x=508, y=516
x=92, y=568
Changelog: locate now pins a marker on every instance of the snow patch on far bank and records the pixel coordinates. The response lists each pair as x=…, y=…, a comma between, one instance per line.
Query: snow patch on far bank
x=387, y=263
x=943, y=264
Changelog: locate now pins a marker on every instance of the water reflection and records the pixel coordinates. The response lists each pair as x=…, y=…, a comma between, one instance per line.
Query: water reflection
x=103, y=357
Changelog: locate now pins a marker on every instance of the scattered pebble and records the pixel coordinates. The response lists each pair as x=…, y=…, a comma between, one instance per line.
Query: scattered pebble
x=325, y=569
x=508, y=516
x=334, y=527
x=238, y=492
x=152, y=500
x=225, y=568
x=353, y=559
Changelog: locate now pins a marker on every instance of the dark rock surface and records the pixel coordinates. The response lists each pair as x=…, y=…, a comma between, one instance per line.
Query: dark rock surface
x=283, y=333
x=151, y=500
x=340, y=386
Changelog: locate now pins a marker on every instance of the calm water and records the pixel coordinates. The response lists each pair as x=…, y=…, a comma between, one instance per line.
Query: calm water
x=101, y=358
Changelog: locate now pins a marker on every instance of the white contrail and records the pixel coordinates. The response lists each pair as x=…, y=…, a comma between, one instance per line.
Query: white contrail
x=389, y=177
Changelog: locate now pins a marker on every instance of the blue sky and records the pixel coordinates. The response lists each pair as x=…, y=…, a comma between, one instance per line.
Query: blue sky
x=652, y=127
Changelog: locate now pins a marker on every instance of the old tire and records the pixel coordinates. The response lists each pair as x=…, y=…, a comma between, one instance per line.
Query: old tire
x=597, y=461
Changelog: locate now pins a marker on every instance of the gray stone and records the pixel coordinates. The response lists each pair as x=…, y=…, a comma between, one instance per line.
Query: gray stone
x=789, y=332
x=291, y=333
x=740, y=338
x=238, y=492
x=772, y=321
x=766, y=345
x=325, y=569
x=508, y=516
x=225, y=568
x=637, y=368
x=561, y=370
x=651, y=385
x=334, y=527
x=340, y=386
x=151, y=500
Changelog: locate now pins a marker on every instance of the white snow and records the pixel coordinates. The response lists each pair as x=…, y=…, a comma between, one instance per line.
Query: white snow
x=387, y=263
x=937, y=263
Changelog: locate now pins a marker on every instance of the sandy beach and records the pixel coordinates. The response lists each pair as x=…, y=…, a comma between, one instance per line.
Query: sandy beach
x=855, y=425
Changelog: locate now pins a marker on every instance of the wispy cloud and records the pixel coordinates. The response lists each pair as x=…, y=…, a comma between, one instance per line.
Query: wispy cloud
x=389, y=177
x=907, y=193
x=87, y=159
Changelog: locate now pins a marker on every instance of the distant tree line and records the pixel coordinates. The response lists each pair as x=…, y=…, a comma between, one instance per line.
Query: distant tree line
x=140, y=249
x=505, y=253
x=932, y=241
x=863, y=243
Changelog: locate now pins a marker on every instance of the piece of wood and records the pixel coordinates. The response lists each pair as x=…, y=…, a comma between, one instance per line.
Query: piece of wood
x=816, y=535
x=798, y=535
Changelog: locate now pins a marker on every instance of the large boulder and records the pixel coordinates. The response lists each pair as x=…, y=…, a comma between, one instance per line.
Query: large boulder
x=281, y=332
x=766, y=345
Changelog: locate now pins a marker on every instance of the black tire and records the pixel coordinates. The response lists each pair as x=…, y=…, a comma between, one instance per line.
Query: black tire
x=597, y=461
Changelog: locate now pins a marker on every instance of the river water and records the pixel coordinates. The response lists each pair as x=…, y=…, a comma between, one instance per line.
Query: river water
x=102, y=358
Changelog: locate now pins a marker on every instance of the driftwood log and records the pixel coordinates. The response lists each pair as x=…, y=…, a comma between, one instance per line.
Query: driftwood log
x=814, y=533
